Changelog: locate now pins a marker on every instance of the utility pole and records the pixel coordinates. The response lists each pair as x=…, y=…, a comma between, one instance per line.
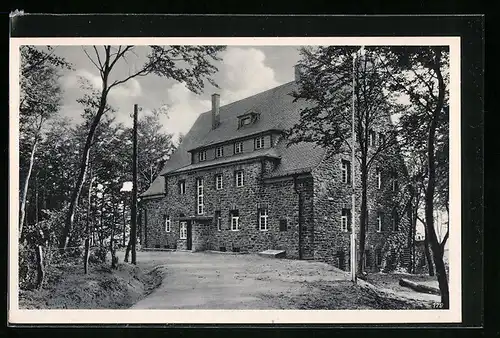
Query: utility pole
x=133, y=207
x=353, y=171
x=353, y=201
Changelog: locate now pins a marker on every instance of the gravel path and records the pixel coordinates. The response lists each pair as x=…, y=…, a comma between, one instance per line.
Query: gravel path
x=208, y=280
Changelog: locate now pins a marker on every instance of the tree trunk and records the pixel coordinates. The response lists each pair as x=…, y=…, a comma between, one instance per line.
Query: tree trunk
x=24, y=194
x=363, y=214
x=39, y=266
x=111, y=240
x=431, y=185
x=124, y=223
x=133, y=226
x=87, y=227
x=75, y=194
x=127, y=251
x=428, y=258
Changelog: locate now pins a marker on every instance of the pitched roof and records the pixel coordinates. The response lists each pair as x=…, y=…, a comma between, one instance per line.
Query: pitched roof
x=277, y=110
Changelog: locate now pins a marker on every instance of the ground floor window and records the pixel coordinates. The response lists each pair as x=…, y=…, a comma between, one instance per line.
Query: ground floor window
x=283, y=225
x=218, y=220
x=345, y=220
x=235, y=220
x=263, y=214
x=183, y=230
x=378, y=257
x=167, y=223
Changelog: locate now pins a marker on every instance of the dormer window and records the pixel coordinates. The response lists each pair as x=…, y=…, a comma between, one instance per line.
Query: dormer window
x=238, y=147
x=202, y=156
x=219, y=151
x=259, y=142
x=247, y=119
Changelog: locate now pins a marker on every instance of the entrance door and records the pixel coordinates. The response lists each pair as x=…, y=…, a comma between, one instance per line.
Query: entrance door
x=189, y=236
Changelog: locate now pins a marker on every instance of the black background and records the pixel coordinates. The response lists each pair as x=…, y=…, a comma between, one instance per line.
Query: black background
x=469, y=28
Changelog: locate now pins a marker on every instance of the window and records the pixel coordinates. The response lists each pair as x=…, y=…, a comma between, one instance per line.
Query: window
x=202, y=156
x=245, y=121
x=238, y=147
x=380, y=220
x=381, y=139
x=218, y=220
x=379, y=178
x=183, y=230
x=283, y=225
x=345, y=220
x=167, y=223
x=395, y=222
x=239, y=178
x=218, y=181
x=199, y=192
x=259, y=142
x=263, y=214
x=372, y=138
x=235, y=220
x=368, y=261
x=394, y=182
x=378, y=257
x=219, y=151
x=346, y=171
x=182, y=187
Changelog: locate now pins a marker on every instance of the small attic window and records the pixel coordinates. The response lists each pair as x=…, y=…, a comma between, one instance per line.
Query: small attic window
x=247, y=119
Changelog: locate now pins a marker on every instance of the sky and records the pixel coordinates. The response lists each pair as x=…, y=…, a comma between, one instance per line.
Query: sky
x=243, y=71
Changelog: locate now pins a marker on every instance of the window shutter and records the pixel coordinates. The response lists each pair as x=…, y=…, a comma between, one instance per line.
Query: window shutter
x=258, y=219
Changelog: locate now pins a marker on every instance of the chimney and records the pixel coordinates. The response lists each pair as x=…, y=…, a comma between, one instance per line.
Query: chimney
x=215, y=110
x=297, y=72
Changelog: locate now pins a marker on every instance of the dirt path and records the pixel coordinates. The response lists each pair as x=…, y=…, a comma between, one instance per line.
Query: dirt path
x=224, y=281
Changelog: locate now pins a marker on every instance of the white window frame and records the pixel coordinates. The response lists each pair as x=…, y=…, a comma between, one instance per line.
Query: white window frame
x=218, y=179
x=218, y=220
x=394, y=183
x=183, y=230
x=199, y=196
x=381, y=139
x=219, y=151
x=182, y=187
x=344, y=166
x=168, y=224
x=372, y=136
x=202, y=156
x=238, y=147
x=241, y=174
x=259, y=142
x=344, y=223
x=379, y=178
x=263, y=219
x=394, y=222
x=235, y=220
x=379, y=222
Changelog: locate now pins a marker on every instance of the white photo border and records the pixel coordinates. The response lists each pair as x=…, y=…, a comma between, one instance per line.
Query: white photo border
x=451, y=315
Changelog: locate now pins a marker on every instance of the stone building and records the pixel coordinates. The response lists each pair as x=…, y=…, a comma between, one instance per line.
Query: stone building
x=234, y=184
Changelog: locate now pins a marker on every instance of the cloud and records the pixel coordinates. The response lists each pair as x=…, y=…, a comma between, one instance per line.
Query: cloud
x=183, y=107
x=244, y=73
x=131, y=88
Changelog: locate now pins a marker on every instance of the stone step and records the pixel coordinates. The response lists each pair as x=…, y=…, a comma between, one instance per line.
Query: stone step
x=273, y=253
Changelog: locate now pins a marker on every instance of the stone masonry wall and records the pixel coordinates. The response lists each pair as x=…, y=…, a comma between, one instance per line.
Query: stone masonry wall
x=331, y=195
x=278, y=196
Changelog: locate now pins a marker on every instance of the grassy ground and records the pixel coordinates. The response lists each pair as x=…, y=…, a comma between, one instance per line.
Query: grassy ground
x=67, y=287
